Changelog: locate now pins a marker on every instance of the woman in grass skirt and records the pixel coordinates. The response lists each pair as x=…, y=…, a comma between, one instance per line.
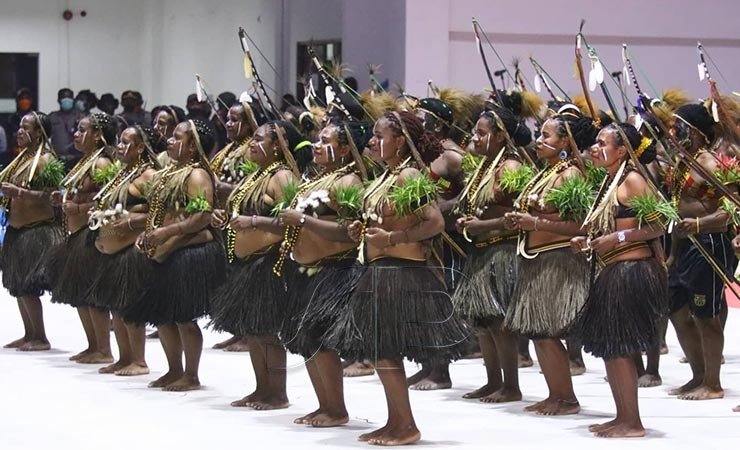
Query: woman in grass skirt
x=253, y=301
x=32, y=231
x=552, y=283
x=400, y=308
x=117, y=220
x=317, y=240
x=187, y=255
x=94, y=137
x=630, y=294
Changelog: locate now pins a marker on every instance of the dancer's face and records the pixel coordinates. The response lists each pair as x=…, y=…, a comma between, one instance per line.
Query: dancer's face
x=384, y=145
x=605, y=152
x=327, y=151
x=550, y=143
x=129, y=146
x=236, y=127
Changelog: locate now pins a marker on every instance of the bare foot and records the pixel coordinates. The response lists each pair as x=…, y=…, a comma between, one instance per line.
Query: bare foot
x=34, y=346
x=537, y=406
x=304, y=420
x=358, y=369
x=325, y=420
x=560, y=408
x=270, y=403
x=96, y=358
x=373, y=434
x=83, y=353
x=503, y=395
x=683, y=360
x=240, y=345
x=185, y=383
x=690, y=386
x=482, y=391
x=702, y=393
x=153, y=335
x=577, y=368
x=736, y=409
x=165, y=379
x=427, y=384
x=118, y=365
x=622, y=430
x=16, y=343
x=649, y=380
x=418, y=376
x=663, y=349
x=248, y=400
x=133, y=370
x=524, y=361
x=597, y=427
x=223, y=344
x=397, y=436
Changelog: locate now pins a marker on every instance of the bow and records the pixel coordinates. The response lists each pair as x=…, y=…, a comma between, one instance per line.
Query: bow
x=582, y=75
x=331, y=97
x=201, y=94
x=717, y=108
x=250, y=72
x=482, y=54
x=541, y=76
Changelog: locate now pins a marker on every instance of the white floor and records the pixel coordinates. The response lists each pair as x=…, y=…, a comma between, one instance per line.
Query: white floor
x=48, y=402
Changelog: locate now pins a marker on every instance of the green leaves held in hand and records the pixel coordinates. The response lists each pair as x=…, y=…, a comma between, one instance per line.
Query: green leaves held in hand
x=289, y=190
x=649, y=208
x=415, y=193
x=50, y=176
x=101, y=177
x=573, y=199
x=514, y=181
x=349, y=199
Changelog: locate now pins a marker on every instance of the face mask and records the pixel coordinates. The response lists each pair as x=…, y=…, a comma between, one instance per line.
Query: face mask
x=24, y=104
x=67, y=104
x=80, y=104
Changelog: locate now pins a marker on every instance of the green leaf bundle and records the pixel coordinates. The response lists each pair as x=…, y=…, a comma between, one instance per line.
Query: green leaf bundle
x=415, y=193
x=101, y=177
x=573, y=199
x=649, y=208
x=198, y=204
x=514, y=181
x=289, y=190
x=349, y=199
x=50, y=177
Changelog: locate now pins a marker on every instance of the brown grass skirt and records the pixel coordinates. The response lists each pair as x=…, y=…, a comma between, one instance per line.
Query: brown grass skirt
x=400, y=308
x=24, y=257
x=549, y=292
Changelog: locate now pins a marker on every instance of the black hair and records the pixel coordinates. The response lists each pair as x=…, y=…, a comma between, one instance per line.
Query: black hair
x=646, y=155
x=511, y=100
x=63, y=91
x=360, y=132
x=156, y=142
x=438, y=108
x=581, y=127
x=351, y=105
x=304, y=119
x=41, y=122
x=303, y=156
x=426, y=143
x=227, y=98
x=106, y=124
x=698, y=117
x=517, y=129
x=205, y=134
x=170, y=109
x=90, y=98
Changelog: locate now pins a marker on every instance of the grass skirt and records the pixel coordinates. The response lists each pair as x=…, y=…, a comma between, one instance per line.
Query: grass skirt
x=181, y=287
x=621, y=314
x=550, y=290
x=400, y=308
x=484, y=291
x=122, y=280
x=78, y=262
x=253, y=301
x=317, y=302
x=23, y=258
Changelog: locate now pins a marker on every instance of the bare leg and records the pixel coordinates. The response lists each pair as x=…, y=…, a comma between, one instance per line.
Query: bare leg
x=623, y=383
x=87, y=326
x=137, y=342
x=712, y=342
x=690, y=340
x=27, y=327
x=275, y=366
x=402, y=429
x=437, y=377
x=525, y=359
x=259, y=365
x=192, y=344
x=35, y=314
x=358, y=369
x=493, y=367
x=101, y=327
x=124, y=346
x=318, y=386
x=651, y=376
x=577, y=366
x=508, y=354
x=240, y=345
x=223, y=344
x=169, y=336
x=334, y=411
x=553, y=359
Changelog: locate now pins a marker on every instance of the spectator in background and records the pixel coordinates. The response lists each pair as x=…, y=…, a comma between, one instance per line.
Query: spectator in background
x=24, y=101
x=198, y=110
x=63, y=125
x=288, y=101
x=133, y=111
x=108, y=104
x=85, y=101
x=3, y=148
x=225, y=101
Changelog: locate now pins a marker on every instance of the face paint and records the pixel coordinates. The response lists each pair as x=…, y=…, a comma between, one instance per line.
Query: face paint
x=164, y=132
x=84, y=137
x=381, y=148
x=331, y=153
x=179, y=151
x=603, y=154
x=488, y=142
x=263, y=149
x=542, y=142
x=238, y=129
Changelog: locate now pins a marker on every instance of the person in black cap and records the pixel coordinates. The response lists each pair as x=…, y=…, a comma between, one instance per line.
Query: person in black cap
x=108, y=104
x=133, y=112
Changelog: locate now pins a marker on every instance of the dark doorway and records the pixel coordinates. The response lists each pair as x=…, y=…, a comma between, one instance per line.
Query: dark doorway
x=328, y=52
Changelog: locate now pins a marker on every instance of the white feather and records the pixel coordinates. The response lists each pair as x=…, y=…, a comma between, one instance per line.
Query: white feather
x=592, y=80
x=199, y=89
x=307, y=102
x=638, y=121
x=702, y=73
x=599, y=68
x=624, y=54
x=537, y=84
x=715, y=111
x=330, y=96
x=244, y=97
x=626, y=75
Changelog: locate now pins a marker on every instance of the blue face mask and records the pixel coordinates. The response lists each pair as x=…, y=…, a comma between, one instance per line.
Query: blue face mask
x=67, y=104
x=80, y=104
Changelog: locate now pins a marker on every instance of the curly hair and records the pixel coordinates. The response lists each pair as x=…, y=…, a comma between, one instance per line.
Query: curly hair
x=582, y=128
x=153, y=141
x=516, y=129
x=426, y=143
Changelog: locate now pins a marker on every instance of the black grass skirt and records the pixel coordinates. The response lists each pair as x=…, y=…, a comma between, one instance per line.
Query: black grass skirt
x=316, y=302
x=182, y=287
x=23, y=258
x=122, y=280
x=253, y=301
x=624, y=307
x=549, y=292
x=487, y=283
x=78, y=263
x=400, y=308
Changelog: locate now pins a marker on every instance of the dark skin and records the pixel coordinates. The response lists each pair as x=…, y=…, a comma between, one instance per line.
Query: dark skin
x=702, y=339
x=498, y=345
x=551, y=353
x=254, y=233
x=183, y=337
x=28, y=206
x=621, y=371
